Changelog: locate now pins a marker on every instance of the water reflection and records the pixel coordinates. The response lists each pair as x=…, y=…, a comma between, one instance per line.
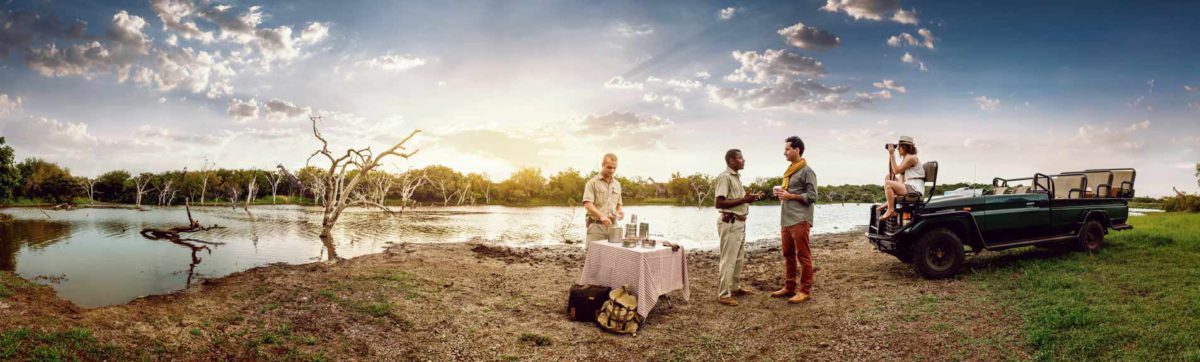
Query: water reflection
x=107, y=261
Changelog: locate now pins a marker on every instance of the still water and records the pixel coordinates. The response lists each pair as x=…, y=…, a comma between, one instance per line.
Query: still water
x=96, y=257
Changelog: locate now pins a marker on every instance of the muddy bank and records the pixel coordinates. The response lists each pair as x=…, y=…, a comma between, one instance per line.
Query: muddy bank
x=481, y=302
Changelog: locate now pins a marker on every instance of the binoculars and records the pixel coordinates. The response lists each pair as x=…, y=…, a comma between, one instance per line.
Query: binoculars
x=888, y=146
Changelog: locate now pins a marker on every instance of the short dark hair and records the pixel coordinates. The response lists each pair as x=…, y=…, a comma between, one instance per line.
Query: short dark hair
x=729, y=155
x=909, y=148
x=796, y=143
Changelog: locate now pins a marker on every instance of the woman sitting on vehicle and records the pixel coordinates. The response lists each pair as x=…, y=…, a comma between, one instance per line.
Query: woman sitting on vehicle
x=904, y=178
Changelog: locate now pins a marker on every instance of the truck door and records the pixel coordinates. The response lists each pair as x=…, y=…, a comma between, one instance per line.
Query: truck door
x=1015, y=217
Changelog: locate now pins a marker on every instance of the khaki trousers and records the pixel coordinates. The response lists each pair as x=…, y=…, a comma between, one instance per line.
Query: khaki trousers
x=733, y=255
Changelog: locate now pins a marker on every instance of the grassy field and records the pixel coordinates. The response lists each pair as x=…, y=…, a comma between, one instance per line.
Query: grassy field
x=1136, y=299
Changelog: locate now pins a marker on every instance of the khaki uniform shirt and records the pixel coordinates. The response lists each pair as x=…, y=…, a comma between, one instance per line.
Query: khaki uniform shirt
x=804, y=183
x=606, y=196
x=729, y=186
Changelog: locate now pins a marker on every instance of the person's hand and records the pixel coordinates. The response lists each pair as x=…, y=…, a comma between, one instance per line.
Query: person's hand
x=891, y=150
x=620, y=215
x=606, y=221
x=782, y=194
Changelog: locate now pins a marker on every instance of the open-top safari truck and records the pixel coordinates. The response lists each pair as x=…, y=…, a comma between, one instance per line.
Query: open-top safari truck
x=1072, y=208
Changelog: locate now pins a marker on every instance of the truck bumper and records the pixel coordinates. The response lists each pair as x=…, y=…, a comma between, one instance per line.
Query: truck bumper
x=882, y=242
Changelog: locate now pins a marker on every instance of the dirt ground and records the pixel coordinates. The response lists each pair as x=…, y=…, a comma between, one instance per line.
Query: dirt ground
x=477, y=302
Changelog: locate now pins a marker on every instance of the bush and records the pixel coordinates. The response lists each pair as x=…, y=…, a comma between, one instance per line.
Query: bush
x=1187, y=203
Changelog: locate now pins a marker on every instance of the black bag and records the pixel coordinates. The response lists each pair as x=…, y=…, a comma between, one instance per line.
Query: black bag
x=585, y=301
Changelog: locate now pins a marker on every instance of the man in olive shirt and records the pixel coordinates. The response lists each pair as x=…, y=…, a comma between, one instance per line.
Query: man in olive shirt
x=733, y=204
x=797, y=194
x=602, y=200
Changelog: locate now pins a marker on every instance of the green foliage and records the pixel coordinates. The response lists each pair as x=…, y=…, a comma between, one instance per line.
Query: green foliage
x=46, y=181
x=1134, y=299
x=1183, y=203
x=10, y=177
x=73, y=344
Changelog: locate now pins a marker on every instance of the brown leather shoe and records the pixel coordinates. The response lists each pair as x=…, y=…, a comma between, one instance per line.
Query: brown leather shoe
x=729, y=301
x=782, y=293
x=799, y=298
x=742, y=292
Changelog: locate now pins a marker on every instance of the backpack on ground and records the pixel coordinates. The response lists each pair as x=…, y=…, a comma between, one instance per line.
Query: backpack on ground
x=585, y=301
x=619, y=313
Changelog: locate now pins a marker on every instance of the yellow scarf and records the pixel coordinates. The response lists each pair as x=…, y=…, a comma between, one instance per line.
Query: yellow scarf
x=791, y=170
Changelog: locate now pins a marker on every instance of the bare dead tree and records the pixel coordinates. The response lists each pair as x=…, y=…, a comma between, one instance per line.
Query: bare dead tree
x=234, y=191
x=251, y=191
x=338, y=188
x=701, y=188
x=463, y=192
x=274, y=178
x=141, y=182
x=409, y=185
x=447, y=194
x=204, y=170
x=165, y=192
x=89, y=185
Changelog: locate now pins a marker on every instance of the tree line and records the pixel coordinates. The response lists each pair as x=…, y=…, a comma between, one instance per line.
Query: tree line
x=34, y=180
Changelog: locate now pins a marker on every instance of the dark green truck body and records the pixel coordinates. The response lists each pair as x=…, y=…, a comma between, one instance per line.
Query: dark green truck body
x=995, y=222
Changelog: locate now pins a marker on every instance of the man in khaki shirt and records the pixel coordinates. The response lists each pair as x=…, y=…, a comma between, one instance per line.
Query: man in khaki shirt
x=602, y=200
x=733, y=205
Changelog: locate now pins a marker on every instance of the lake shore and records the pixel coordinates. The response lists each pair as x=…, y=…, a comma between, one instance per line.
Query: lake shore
x=481, y=302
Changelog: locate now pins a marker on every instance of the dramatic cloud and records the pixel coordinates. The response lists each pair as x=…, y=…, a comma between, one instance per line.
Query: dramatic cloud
x=243, y=110
x=627, y=129
x=394, y=62
x=9, y=105
x=888, y=84
x=272, y=110
x=987, y=104
x=173, y=15
x=197, y=72
x=773, y=66
x=125, y=43
x=684, y=85
x=19, y=29
x=727, y=13
x=872, y=10
x=634, y=31
x=619, y=82
x=801, y=95
x=807, y=37
x=907, y=39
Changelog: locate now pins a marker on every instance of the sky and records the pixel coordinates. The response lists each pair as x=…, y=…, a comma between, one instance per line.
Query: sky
x=987, y=89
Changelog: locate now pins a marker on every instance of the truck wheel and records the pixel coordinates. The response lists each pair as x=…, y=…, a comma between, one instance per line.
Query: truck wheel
x=1091, y=236
x=938, y=254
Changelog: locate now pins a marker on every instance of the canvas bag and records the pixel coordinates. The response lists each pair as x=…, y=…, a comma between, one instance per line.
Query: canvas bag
x=585, y=301
x=619, y=313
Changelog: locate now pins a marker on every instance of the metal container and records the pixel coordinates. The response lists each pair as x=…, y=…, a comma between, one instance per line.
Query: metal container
x=614, y=234
x=629, y=243
x=648, y=243
x=631, y=231
x=644, y=231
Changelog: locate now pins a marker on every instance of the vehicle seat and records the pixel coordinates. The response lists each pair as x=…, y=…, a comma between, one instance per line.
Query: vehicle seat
x=1100, y=182
x=999, y=190
x=1020, y=190
x=931, y=170
x=1122, y=183
x=1069, y=186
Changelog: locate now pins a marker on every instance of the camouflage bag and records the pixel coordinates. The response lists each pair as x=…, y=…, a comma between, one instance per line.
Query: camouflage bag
x=619, y=314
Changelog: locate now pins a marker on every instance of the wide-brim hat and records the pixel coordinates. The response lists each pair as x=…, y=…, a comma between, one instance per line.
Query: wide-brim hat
x=907, y=140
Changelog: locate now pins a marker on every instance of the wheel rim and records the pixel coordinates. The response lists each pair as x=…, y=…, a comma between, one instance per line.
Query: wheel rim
x=939, y=256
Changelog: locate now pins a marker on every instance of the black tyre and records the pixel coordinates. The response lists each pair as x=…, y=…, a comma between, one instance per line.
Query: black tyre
x=938, y=254
x=1091, y=236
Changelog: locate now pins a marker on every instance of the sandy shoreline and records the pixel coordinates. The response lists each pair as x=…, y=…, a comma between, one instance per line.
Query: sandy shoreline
x=481, y=302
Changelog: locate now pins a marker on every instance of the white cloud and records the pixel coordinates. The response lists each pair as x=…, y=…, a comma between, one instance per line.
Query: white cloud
x=275, y=110
x=1121, y=138
x=667, y=101
x=889, y=84
x=50, y=138
x=314, y=33
x=633, y=31
x=1189, y=89
x=198, y=72
x=977, y=144
x=627, y=129
x=243, y=111
x=807, y=37
x=773, y=66
x=702, y=75
x=173, y=15
x=9, y=105
x=684, y=85
x=906, y=38
x=394, y=62
x=872, y=10
x=987, y=104
x=910, y=59
x=727, y=13
x=619, y=82
x=802, y=95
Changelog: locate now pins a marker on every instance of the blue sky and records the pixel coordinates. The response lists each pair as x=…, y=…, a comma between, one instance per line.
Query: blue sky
x=988, y=89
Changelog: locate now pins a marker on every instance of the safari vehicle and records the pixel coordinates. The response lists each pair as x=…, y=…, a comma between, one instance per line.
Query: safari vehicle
x=1068, y=209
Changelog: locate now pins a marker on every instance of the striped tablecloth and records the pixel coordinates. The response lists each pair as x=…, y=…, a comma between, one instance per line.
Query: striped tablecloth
x=647, y=272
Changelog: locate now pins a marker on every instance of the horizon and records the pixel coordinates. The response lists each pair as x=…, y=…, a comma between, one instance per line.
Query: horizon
x=152, y=86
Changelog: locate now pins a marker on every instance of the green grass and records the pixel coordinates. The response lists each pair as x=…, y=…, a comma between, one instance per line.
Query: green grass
x=10, y=283
x=1136, y=299
x=70, y=345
